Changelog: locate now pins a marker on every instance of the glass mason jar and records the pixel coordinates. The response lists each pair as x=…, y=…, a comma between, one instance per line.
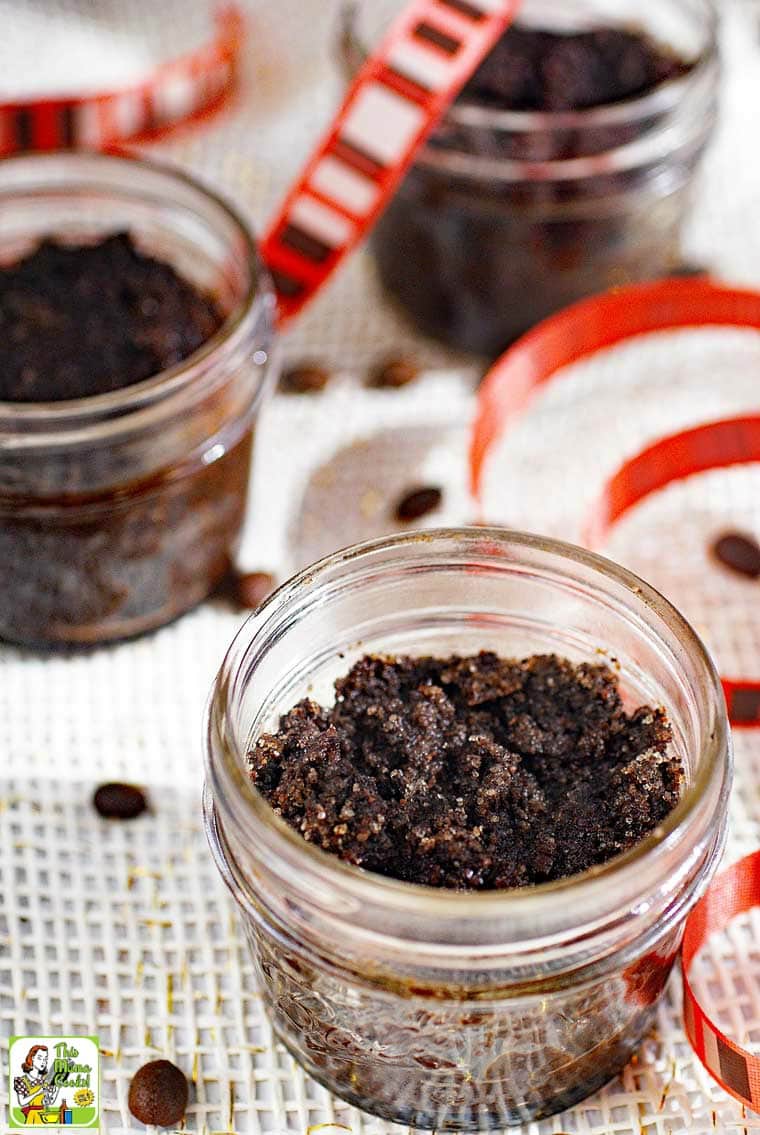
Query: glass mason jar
x=120, y=511
x=443, y=1009
x=508, y=216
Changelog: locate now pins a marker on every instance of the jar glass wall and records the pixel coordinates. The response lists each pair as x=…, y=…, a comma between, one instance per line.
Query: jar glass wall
x=120, y=511
x=508, y=216
x=435, y=1008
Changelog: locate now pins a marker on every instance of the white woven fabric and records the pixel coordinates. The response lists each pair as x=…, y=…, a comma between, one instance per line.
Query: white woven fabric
x=125, y=930
x=74, y=48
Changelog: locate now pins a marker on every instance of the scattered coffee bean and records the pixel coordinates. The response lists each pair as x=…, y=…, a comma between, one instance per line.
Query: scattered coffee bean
x=418, y=503
x=246, y=590
x=739, y=553
x=119, y=801
x=306, y=378
x=253, y=587
x=158, y=1094
x=394, y=372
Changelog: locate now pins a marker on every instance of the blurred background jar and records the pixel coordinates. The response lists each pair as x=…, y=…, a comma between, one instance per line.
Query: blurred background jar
x=120, y=511
x=509, y=215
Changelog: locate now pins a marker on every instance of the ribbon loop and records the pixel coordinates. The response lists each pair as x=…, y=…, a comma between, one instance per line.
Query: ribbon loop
x=605, y=321
x=734, y=892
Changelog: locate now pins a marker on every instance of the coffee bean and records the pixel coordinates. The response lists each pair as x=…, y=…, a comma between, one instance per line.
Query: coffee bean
x=253, y=587
x=119, y=801
x=306, y=378
x=418, y=503
x=246, y=591
x=394, y=372
x=158, y=1094
x=739, y=553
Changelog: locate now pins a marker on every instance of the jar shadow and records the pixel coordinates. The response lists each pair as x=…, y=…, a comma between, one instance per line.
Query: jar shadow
x=353, y=496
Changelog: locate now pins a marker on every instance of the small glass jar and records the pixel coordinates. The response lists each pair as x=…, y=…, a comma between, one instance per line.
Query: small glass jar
x=506, y=217
x=443, y=1009
x=119, y=512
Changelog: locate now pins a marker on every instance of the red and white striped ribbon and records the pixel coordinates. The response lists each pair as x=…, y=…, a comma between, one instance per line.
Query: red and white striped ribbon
x=734, y=892
x=395, y=101
x=176, y=91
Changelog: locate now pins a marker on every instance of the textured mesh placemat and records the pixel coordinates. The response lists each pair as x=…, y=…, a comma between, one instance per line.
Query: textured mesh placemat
x=125, y=931
x=76, y=47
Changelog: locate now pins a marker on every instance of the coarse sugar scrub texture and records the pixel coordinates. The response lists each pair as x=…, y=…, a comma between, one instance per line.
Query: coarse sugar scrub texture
x=468, y=773
x=79, y=320
x=458, y=674
x=535, y=69
x=471, y=773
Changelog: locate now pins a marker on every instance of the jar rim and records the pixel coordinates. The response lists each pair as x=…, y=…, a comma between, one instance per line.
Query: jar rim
x=471, y=112
x=657, y=104
x=26, y=421
x=713, y=772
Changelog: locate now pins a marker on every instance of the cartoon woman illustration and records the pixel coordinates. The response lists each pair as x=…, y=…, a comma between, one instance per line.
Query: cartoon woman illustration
x=34, y=1091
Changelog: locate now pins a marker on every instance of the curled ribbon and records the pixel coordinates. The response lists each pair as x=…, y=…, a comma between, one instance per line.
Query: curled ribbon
x=605, y=321
x=176, y=91
x=566, y=338
x=734, y=892
x=717, y=445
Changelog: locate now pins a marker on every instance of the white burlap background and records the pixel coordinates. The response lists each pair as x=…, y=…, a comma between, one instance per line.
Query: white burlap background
x=124, y=930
